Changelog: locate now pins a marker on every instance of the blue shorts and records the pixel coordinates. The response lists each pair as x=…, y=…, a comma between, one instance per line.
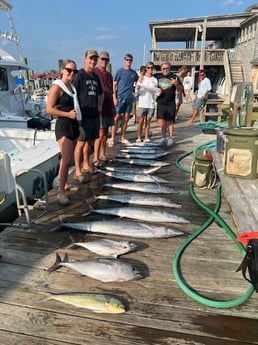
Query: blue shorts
x=198, y=103
x=125, y=105
x=145, y=112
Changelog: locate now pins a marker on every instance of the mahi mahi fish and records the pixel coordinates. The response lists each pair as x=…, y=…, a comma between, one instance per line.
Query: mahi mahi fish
x=139, y=199
x=145, y=214
x=143, y=162
x=149, y=170
x=141, y=178
x=123, y=228
x=103, y=269
x=107, y=247
x=141, y=187
x=144, y=155
x=96, y=302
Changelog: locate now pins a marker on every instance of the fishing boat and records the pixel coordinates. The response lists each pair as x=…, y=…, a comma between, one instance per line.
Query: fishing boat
x=29, y=154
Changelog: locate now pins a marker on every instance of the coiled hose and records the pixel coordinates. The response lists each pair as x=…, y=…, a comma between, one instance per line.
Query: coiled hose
x=179, y=253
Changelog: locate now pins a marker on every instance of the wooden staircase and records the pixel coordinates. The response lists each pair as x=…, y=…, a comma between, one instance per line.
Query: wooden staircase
x=236, y=72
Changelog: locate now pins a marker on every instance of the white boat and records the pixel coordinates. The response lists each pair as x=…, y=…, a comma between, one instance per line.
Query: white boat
x=29, y=153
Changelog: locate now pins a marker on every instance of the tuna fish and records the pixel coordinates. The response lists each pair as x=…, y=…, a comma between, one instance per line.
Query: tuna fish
x=107, y=247
x=142, y=187
x=134, y=177
x=145, y=214
x=144, y=155
x=127, y=170
x=98, y=303
x=123, y=228
x=142, y=162
x=139, y=199
x=103, y=269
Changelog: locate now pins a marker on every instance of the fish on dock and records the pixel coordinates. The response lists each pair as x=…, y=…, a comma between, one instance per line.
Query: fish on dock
x=130, y=170
x=145, y=214
x=142, y=187
x=140, y=178
x=96, y=302
x=139, y=155
x=107, y=247
x=142, y=162
x=122, y=228
x=139, y=199
x=103, y=269
x=138, y=149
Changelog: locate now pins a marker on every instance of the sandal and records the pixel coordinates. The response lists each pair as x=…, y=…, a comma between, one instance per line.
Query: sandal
x=71, y=188
x=79, y=178
x=97, y=164
x=87, y=171
x=105, y=160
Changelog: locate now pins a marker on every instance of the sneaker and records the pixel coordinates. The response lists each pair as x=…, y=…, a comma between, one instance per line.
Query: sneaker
x=62, y=199
x=170, y=142
x=125, y=141
x=162, y=141
x=147, y=140
x=110, y=143
x=138, y=141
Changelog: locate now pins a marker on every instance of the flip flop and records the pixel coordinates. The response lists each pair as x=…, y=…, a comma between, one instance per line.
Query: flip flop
x=71, y=188
x=79, y=178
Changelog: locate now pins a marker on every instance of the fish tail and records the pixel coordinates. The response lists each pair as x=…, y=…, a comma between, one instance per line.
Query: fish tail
x=89, y=212
x=57, y=263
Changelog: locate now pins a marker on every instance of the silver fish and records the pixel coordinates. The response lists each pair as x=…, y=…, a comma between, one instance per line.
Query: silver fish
x=134, y=177
x=122, y=228
x=144, y=155
x=139, y=199
x=103, y=269
x=96, y=302
x=138, y=149
x=142, y=187
x=145, y=214
x=149, y=170
x=107, y=247
x=149, y=144
x=142, y=162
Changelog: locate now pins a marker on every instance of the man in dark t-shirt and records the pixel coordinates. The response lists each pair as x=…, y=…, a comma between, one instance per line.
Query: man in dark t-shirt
x=166, y=105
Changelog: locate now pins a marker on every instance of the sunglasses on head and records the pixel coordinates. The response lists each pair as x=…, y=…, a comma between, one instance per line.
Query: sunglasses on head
x=70, y=70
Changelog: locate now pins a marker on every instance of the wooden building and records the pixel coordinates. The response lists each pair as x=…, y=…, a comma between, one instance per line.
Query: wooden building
x=225, y=45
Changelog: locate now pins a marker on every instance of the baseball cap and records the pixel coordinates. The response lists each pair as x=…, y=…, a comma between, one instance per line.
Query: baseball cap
x=104, y=55
x=91, y=52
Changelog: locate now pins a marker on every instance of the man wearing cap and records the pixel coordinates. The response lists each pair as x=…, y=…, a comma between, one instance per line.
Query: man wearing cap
x=124, y=82
x=90, y=96
x=108, y=109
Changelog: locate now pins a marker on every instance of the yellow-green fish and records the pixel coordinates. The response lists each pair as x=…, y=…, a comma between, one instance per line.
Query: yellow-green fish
x=98, y=303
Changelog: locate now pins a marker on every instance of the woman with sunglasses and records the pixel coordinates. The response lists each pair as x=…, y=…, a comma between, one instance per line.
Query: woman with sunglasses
x=62, y=102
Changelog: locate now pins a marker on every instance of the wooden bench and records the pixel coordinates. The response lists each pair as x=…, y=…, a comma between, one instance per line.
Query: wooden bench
x=214, y=103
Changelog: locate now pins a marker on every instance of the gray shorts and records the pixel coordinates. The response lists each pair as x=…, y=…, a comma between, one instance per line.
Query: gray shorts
x=106, y=121
x=145, y=112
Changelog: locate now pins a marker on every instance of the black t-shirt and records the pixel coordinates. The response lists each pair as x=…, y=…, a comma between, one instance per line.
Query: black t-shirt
x=88, y=88
x=164, y=82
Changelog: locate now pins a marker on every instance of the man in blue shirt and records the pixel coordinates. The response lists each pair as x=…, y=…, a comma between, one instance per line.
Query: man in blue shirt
x=123, y=95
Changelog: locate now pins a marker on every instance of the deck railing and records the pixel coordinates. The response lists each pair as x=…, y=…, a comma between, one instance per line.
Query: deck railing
x=189, y=57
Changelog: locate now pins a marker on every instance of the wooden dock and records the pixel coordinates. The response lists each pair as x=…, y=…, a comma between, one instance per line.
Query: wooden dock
x=158, y=311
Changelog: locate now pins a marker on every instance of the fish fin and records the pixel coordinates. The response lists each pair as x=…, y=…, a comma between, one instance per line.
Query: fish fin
x=56, y=265
x=89, y=212
x=66, y=259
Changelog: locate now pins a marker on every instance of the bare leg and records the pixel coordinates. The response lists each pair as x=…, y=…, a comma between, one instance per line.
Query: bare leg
x=139, y=127
x=103, y=133
x=126, y=118
x=170, y=125
x=147, y=128
x=78, y=156
x=194, y=115
x=114, y=128
x=86, y=154
x=66, y=148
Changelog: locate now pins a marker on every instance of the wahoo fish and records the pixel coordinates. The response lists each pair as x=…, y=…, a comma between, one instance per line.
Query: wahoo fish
x=138, y=171
x=142, y=187
x=144, y=155
x=123, y=228
x=103, y=269
x=143, y=162
x=107, y=247
x=134, y=177
x=143, y=144
x=139, y=199
x=139, y=149
x=145, y=214
x=96, y=302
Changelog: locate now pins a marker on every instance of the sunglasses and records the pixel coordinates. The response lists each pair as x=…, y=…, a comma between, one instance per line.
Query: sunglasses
x=70, y=70
x=165, y=68
x=149, y=67
x=128, y=59
x=104, y=59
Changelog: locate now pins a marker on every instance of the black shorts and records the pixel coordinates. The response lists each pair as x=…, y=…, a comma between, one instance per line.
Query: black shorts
x=166, y=112
x=89, y=130
x=68, y=128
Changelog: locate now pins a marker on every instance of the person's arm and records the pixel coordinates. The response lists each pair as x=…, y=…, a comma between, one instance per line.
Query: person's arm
x=115, y=92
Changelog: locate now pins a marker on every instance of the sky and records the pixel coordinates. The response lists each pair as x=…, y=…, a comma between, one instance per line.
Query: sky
x=50, y=30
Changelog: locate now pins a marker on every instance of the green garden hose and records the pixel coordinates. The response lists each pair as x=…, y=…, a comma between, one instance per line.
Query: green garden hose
x=178, y=255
